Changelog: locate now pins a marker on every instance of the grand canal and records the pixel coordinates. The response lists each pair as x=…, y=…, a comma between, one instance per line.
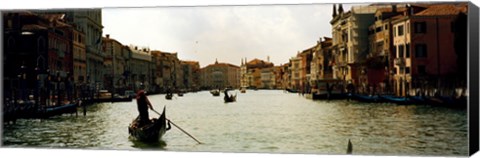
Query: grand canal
x=260, y=121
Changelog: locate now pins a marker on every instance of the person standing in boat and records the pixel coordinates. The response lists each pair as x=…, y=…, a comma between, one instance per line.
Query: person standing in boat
x=142, y=105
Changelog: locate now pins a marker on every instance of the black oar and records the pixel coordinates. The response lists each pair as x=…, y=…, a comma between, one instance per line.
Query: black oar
x=180, y=128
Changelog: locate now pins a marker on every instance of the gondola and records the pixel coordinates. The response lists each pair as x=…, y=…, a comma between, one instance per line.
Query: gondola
x=366, y=98
x=229, y=98
x=151, y=132
x=169, y=96
x=418, y=100
x=215, y=92
x=396, y=100
x=291, y=90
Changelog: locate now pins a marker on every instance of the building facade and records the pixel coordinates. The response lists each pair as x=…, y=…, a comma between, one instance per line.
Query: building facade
x=220, y=75
x=427, y=43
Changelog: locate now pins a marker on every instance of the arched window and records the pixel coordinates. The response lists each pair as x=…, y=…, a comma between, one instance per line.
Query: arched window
x=41, y=46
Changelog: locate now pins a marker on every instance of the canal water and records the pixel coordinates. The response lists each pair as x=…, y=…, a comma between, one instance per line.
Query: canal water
x=263, y=121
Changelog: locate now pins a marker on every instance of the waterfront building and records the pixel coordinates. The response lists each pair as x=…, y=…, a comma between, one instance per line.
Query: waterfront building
x=140, y=67
x=79, y=61
x=295, y=70
x=349, y=40
x=305, y=57
x=127, y=74
x=286, y=76
x=430, y=49
x=89, y=21
x=114, y=62
x=220, y=75
x=191, y=71
x=279, y=72
x=169, y=71
x=321, y=65
x=379, y=62
x=258, y=74
x=38, y=54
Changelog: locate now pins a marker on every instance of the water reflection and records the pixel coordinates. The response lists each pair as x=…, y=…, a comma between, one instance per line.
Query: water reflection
x=160, y=145
x=260, y=121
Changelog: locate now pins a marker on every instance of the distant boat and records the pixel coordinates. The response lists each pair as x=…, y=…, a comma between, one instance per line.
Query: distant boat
x=215, y=92
x=291, y=90
x=243, y=90
x=169, y=96
x=180, y=94
x=151, y=132
x=229, y=98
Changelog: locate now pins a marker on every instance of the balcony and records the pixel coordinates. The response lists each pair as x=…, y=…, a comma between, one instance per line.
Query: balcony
x=399, y=61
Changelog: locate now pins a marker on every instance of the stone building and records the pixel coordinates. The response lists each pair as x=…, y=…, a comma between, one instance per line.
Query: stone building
x=220, y=75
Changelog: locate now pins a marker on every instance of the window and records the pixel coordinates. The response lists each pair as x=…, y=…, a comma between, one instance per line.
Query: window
x=420, y=27
x=400, y=30
x=407, y=51
x=400, y=51
x=378, y=29
x=420, y=51
x=395, y=70
x=386, y=27
x=394, y=31
x=9, y=23
x=407, y=70
x=421, y=69
x=395, y=51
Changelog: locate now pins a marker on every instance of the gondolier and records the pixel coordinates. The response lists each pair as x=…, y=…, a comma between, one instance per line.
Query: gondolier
x=142, y=105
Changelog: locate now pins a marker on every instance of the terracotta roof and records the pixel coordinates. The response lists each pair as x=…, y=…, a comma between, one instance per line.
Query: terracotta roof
x=257, y=62
x=442, y=9
x=222, y=64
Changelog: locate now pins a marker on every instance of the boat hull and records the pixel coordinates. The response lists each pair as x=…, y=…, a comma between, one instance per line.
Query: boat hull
x=151, y=132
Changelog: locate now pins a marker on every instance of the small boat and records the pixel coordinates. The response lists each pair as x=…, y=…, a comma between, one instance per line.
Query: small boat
x=59, y=110
x=229, y=98
x=169, y=96
x=243, y=90
x=291, y=90
x=396, y=100
x=215, y=92
x=418, y=100
x=366, y=98
x=151, y=132
x=180, y=94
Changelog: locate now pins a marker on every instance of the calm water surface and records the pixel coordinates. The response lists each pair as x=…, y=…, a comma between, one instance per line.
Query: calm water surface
x=260, y=121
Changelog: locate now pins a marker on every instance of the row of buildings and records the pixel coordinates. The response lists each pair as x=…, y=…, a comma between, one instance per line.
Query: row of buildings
x=63, y=54
x=400, y=49
x=404, y=49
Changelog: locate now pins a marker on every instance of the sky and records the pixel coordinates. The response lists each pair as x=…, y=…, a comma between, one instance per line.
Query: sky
x=224, y=33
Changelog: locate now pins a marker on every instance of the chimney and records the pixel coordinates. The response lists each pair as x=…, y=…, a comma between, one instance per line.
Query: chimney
x=108, y=36
x=268, y=58
x=409, y=10
x=334, y=11
x=340, y=9
x=394, y=8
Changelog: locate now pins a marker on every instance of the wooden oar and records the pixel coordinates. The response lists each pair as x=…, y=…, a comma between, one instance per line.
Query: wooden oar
x=179, y=128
